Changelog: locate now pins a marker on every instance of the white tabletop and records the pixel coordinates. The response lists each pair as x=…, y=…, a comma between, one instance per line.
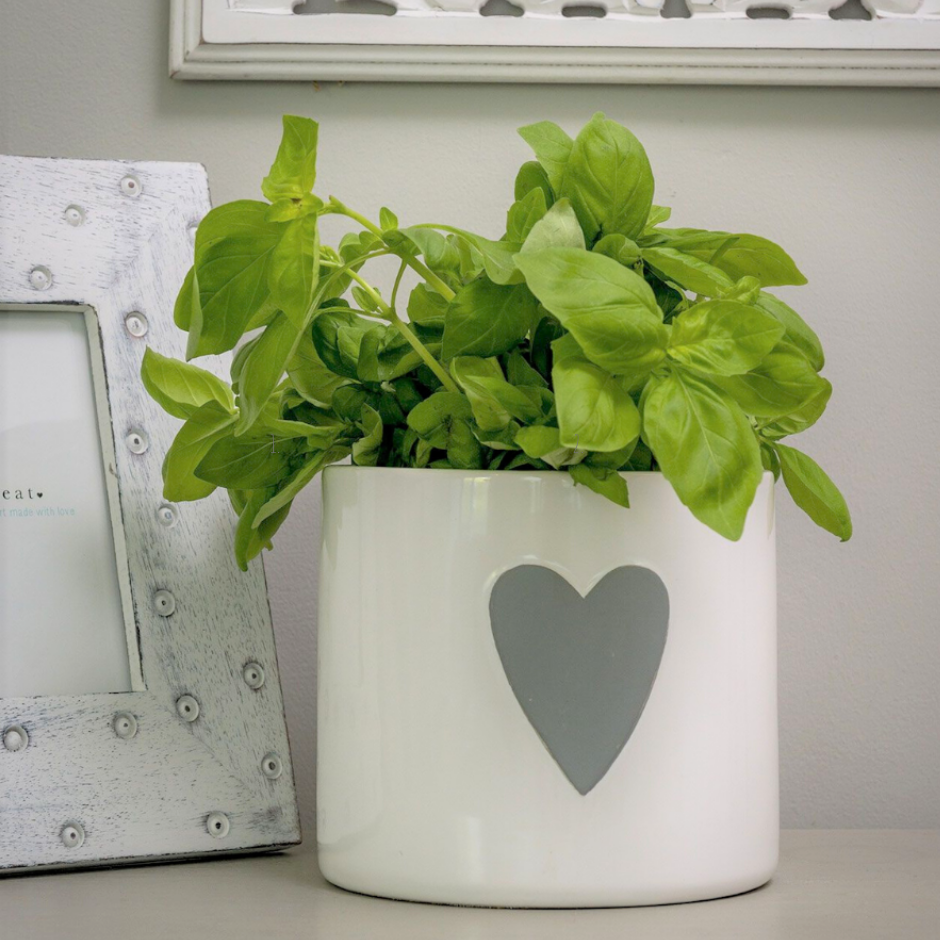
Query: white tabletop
x=856, y=885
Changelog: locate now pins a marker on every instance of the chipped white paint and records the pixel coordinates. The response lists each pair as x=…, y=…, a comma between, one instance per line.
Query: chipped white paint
x=128, y=777
x=449, y=40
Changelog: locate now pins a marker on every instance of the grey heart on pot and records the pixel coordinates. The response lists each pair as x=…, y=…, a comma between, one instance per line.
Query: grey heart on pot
x=582, y=668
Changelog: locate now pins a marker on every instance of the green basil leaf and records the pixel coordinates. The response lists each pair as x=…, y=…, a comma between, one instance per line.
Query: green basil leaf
x=669, y=298
x=364, y=300
x=781, y=384
x=688, y=271
x=439, y=253
x=433, y=418
x=337, y=337
x=231, y=274
x=407, y=393
x=290, y=488
x=524, y=213
x=738, y=255
x=246, y=463
x=544, y=443
x=294, y=170
x=238, y=360
x=493, y=400
x=348, y=401
x=388, y=406
x=261, y=370
x=618, y=247
x=558, y=228
x=608, y=308
x=241, y=219
x=608, y=179
x=746, y=290
x=615, y=459
x=525, y=462
x=531, y=176
x=179, y=388
x=497, y=438
x=595, y=410
x=294, y=270
x=552, y=147
x=186, y=301
x=608, y=483
x=640, y=459
x=497, y=257
x=564, y=347
x=705, y=448
x=814, y=492
x=804, y=417
x=723, y=337
x=769, y=459
x=658, y=215
x=798, y=332
x=427, y=308
x=208, y=424
x=355, y=245
x=463, y=449
x=486, y=319
x=285, y=209
x=470, y=265
x=519, y=372
x=365, y=451
x=250, y=540
x=309, y=374
x=545, y=333
x=386, y=354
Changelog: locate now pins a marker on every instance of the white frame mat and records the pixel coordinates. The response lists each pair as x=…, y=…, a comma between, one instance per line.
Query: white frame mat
x=195, y=760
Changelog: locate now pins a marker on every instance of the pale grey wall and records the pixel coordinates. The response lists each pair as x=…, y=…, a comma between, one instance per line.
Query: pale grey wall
x=848, y=180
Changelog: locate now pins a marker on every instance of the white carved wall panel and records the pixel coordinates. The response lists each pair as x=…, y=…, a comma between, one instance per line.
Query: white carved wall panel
x=869, y=42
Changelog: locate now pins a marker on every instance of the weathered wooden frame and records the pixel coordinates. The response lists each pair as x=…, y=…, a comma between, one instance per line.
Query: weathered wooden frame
x=195, y=761
x=448, y=41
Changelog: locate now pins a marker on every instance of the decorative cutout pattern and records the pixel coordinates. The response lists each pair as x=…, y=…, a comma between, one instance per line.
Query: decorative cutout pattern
x=724, y=9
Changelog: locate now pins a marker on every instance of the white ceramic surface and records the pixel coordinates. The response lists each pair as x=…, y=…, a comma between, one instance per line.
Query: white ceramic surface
x=433, y=785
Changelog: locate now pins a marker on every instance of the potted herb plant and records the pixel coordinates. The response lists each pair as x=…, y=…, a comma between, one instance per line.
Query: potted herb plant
x=547, y=624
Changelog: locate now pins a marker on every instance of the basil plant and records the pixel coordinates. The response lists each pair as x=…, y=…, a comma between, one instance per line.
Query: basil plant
x=590, y=338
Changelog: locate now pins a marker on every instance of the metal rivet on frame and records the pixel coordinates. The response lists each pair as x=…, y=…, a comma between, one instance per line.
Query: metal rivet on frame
x=136, y=324
x=72, y=835
x=253, y=675
x=137, y=442
x=40, y=278
x=124, y=725
x=15, y=738
x=167, y=515
x=271, y=766
x=130, y=185
x=164, y=603
x=218, y=825
x=187, y=708
x=74, y=215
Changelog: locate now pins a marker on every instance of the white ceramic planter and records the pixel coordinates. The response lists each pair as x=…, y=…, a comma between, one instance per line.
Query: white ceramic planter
x=433, y=783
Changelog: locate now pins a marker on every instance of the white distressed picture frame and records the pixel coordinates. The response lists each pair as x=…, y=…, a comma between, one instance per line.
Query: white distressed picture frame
x=449, y=40
x=195, y=760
